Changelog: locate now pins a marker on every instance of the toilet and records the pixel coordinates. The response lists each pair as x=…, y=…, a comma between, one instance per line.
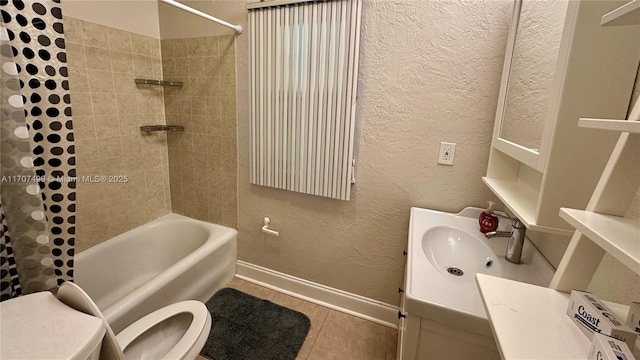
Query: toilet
x=177, y=331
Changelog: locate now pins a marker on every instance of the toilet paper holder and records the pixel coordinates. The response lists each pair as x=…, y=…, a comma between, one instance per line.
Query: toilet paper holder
x=266, y=230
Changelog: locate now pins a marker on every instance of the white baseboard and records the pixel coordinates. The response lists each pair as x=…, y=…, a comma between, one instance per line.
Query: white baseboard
x=336, y=299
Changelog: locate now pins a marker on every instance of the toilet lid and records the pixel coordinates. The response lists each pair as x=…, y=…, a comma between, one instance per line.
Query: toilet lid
x=39, y=326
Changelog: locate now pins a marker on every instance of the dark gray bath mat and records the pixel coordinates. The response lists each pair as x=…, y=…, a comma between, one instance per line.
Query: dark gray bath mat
x=244, y=327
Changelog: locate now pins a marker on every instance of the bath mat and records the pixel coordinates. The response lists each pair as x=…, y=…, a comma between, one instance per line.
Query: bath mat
x=244, y=327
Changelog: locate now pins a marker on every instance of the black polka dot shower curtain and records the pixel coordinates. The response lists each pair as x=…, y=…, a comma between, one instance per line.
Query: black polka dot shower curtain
x=37, y=155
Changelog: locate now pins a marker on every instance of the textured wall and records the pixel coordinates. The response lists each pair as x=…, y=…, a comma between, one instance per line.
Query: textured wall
x=429, y=72
x=108, y=109
x=532, y=69
x=202, y=160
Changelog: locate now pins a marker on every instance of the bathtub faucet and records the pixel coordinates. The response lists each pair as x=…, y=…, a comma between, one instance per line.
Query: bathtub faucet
x=516, y=240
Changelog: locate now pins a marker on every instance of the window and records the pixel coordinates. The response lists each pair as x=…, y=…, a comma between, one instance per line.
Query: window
x=304, y=70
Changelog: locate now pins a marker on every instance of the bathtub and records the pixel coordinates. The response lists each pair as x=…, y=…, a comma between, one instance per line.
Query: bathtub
x=170, y=259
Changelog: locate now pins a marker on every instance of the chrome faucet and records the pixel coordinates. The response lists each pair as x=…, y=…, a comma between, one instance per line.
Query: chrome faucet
x=516, y=240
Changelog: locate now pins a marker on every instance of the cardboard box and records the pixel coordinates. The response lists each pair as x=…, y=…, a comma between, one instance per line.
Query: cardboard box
x=591, y=316
x=633, y=319
x=604, y=347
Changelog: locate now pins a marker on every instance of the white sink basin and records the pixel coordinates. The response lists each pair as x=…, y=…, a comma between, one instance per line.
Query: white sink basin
x=455, y=252
x=445, y=252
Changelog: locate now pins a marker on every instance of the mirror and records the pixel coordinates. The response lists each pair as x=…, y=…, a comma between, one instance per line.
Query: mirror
x=531, y=73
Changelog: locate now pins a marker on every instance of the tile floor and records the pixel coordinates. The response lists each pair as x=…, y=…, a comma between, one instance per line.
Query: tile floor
x=333, y=335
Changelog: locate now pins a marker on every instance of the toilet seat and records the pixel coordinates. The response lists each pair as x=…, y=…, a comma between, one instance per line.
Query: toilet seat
x=192, y=340
x=166, y=323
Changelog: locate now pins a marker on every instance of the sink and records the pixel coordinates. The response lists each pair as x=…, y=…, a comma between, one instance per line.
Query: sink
x=445, y=251
x=455, y=252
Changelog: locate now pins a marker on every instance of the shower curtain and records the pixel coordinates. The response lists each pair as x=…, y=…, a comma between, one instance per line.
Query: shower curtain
x=37, y=161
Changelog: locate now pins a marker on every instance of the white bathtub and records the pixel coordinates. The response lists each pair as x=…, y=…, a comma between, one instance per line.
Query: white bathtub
x=170, y=259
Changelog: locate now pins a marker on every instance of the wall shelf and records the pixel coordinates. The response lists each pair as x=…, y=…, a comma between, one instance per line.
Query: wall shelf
x=612, y=125
x=158, y=82
x=627, y=14
x=539, y=329
x=617, y=235
x=522, y=202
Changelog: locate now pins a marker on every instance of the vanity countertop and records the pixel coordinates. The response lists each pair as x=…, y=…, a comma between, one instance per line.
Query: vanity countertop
x=530, y=322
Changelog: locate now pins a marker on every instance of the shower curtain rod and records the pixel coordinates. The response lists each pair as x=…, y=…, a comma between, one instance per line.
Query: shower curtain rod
x=237, y=28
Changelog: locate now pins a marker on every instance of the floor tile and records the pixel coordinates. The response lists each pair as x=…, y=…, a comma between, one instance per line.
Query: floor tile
x=344, y=336
x=253, y=289
x=392, y=344
x=316, y=313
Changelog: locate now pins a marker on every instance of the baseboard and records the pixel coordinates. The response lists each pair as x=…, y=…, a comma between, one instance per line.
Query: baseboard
x=336, y=299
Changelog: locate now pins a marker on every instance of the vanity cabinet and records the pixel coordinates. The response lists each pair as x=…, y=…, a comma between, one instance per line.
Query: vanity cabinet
x=594, y=69
x=422, y=338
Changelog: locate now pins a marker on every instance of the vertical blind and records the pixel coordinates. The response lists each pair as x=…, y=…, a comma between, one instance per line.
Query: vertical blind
x=304, y=70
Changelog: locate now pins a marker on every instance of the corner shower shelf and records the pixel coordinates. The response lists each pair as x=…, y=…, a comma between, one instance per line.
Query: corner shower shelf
x=612, y=125
x=529, y=321
x=167, y=128
x=617, y=235
x=627, y=14
x=522, y=201
x=158, y=82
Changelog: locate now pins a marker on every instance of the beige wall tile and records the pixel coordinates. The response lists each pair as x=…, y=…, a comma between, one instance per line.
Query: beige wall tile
x=142, y=66
x=168, y=67
x=119, y=40
x=106, y=126
x=127, y=104
x=97, y=58
x=180, y=47
x=212, y=86
x=141, y=44
x=124, y=83
x=195, y=47
x=226, y=45
x=121, y=61
x=156, y=68
x=109, y=147
x=155, y=47
x=182, y=66
x=78, y=80
x=228, y=86
x=104, y=104
x=166, y=46
x=113, y=167
x=86, y=150
x=199, y=86
x=227, y=65
x=84, y=127
x=129, y=125
x=94, y=35
x=72, y=30
x=210, y=46
x=100, y=81
x=75, y=56
x=212, y=66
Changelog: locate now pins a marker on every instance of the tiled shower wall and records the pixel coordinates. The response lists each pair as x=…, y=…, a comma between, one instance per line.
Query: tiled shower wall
x=108, y=109
x=202, y=160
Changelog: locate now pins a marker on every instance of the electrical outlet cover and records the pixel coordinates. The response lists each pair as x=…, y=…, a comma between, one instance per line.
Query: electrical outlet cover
x=447, y=153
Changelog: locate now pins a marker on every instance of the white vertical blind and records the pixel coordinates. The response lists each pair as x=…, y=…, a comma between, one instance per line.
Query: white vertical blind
x=304, y=70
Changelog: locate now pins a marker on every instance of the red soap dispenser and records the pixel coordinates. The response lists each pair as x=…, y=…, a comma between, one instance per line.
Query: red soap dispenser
x=488, y=221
